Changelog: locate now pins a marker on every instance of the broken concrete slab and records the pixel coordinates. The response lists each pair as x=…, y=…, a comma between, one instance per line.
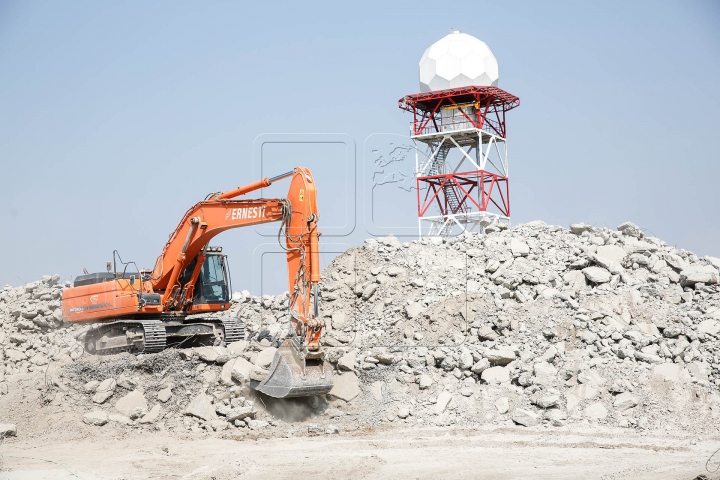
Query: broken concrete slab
x=346, y=387
x=201, y=407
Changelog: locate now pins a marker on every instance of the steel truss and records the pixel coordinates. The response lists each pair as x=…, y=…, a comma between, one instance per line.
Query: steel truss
x=469, y=191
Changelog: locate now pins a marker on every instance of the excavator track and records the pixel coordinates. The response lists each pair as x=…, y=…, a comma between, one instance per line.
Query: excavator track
x=154, y=337
x=123, y=336
x=234, y=329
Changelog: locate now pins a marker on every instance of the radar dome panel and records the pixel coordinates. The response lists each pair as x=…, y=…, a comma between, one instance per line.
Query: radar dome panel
x=457, y=60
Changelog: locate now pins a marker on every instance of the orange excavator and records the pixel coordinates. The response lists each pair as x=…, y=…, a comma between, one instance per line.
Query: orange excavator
x=177, y=303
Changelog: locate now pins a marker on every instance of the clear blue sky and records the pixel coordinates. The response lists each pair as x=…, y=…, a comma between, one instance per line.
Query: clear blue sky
x=116, y=116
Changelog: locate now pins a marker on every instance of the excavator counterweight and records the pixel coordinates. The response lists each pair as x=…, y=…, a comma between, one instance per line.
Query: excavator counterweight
x=176, y=303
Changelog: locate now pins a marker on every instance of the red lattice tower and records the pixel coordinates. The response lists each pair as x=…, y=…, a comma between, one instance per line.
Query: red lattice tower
x=462, y=178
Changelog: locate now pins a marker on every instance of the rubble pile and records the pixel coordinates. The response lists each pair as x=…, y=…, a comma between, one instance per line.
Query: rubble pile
x=30, y=333
x=530, y=325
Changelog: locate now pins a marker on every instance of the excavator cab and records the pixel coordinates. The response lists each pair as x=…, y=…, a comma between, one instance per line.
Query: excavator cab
x=212, y=289
x=213, y=284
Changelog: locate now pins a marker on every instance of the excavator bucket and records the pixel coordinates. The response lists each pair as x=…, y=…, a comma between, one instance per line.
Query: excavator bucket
x=294, y=375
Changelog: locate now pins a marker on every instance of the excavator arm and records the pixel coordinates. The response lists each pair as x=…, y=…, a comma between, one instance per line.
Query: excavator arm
x=223, y=211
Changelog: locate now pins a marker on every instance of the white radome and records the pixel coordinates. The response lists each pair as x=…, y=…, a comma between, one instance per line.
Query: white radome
x=457, y=60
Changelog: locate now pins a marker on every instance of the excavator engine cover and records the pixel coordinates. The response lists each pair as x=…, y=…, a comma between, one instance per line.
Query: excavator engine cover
x=295, y=373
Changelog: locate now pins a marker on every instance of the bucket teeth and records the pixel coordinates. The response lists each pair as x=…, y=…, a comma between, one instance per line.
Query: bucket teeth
x=292, y=375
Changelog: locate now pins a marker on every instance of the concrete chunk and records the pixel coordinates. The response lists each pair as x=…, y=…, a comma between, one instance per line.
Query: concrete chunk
x=425, y=381
x=340, y=321
x=236, y=348
x=207, y=354
x=706, y=274
x=500, y=356
x=442, y=402
x=202, y=408
x=502, y=405
x=369, y=291
x=668, y=371
x=346, y=387
x=385, y=358
x=524, y=417
x=630, y=229
x=130, y=404
x=614, y=253
x=394, y=271
x=376, y=389
x=104, y=391
x=648, y=357
x=91, y=386
x=597, y=274
x=624, y=401
x=648, y=328
x=258, y=374
x=546, y=401
x=496, y=375
x=413, y=310
x=97, y=418
x=241, y=370
x=164, y=394
x=265, y=357
x=240, y=413
x=711, y=327
x=545, y=373
x=714, y=261
x=610, y=265
x=596, y=411
x=699, y=370
x=347, y=361
x=575, y=279
x=579, y=228
x=480, y=366
x=226, y=373
x=519, y=248
x=152, y=416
